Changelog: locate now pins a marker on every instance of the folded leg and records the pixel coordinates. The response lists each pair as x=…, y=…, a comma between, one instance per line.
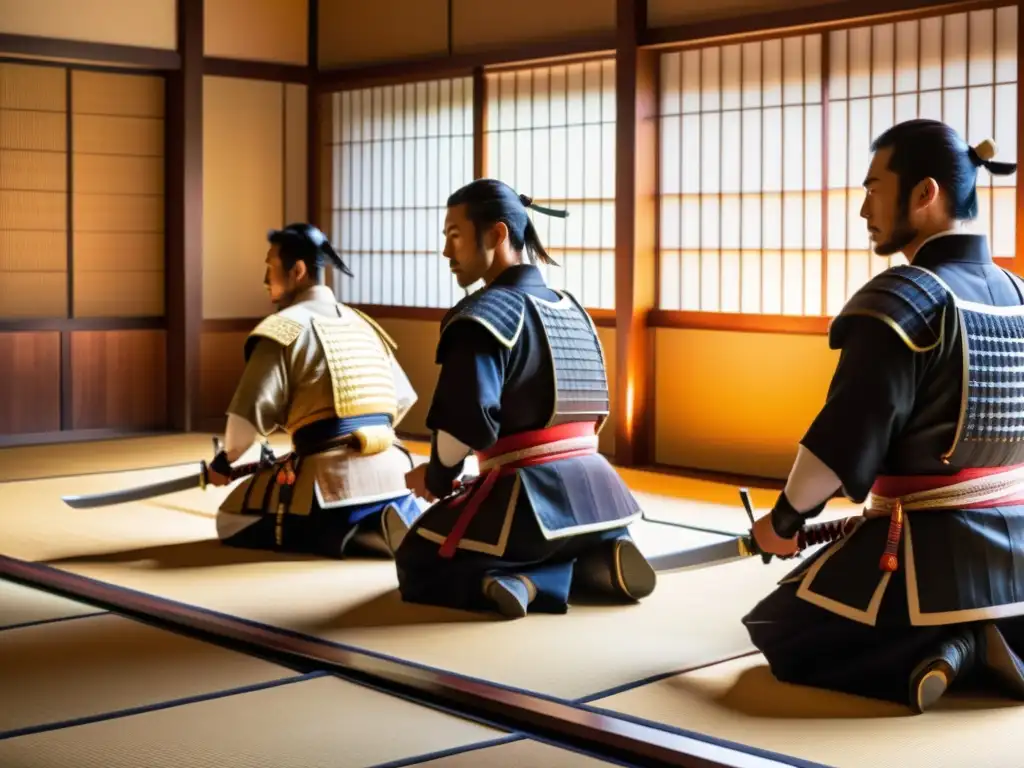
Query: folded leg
x=807, y=645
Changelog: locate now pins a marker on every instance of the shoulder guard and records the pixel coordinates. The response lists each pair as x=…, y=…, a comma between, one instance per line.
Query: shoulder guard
x=911, y=301
x=389, y=343
x=500, y=310
x=278, y=327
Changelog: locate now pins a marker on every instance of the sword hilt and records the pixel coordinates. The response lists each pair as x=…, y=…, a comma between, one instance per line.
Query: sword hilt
x=808, y=536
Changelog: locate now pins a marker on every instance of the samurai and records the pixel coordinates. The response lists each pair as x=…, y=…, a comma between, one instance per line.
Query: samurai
x=326, y=374
x=523, y=386
x=923, y=425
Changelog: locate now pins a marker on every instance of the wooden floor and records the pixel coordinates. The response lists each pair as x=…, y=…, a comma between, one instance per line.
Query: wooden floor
x=99, y=689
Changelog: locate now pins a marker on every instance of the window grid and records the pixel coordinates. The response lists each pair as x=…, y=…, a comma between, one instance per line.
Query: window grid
x=740, y=231
x=551, y=134
x=752, y=231
x=398, y=152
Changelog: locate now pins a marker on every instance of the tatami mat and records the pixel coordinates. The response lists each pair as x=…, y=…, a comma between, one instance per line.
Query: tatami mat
x=167, y=547
x=121, y=454
x=322, y=722
x=740, y=701
x=518, y=754
x=96, y=664
x=22, y=605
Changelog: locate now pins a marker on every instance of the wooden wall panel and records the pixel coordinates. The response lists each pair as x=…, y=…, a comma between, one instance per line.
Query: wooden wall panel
x=667, y=13
x=33, y=191
x=221, y=365
x=30, y=384
x=118, y=194
x=475, y=25
x=148, y=23
x=296, y=158
x=357, y=33
x=723, y=401
x=257, y=30
x=243, y=192
x=118, y=380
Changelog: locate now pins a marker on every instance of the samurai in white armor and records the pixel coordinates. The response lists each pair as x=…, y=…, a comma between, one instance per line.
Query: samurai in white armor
x=326, y=374
x=923, y=423
x=522, y=385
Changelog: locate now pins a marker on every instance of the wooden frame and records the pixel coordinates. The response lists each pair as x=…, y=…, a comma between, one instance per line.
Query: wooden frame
x=567, y=725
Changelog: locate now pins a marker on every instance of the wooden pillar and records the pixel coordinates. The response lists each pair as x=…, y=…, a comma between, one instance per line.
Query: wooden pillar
x=184, y=226
x=635, y=236
x=314, y=126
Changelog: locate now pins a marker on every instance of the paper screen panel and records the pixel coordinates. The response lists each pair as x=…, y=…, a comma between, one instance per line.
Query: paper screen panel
x=551, y=135
x=33, y=191
x=118, y=194
x=741, y=178
x=399, y=152
x=959, y=68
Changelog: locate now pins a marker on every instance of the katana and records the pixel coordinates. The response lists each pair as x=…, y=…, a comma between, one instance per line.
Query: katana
x=198, y=479
x=743, y=546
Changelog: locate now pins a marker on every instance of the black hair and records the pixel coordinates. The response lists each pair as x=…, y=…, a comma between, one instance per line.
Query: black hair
x=489, y=201
x=306, y=243
x=924, y=149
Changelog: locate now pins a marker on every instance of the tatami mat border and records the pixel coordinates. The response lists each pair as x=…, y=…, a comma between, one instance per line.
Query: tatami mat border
x=38, y=622
x=156, y=706
x=46, y=577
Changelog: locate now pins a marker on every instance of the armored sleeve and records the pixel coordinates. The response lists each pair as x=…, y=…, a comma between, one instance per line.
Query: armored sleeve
x=263, y=395
x=467, y=400
x=869, y=401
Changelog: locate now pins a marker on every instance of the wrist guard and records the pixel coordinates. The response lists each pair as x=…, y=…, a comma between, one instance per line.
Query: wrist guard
x=221, y=465
x=786, y=521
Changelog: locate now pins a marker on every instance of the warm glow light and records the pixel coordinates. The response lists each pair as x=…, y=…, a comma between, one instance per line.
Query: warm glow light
x=398, y=152
x=629, y=406
x=551, y=135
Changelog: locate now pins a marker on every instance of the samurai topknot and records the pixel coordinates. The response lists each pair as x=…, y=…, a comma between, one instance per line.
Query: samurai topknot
x=305, y=243
x=929, y=148
x=489, y=201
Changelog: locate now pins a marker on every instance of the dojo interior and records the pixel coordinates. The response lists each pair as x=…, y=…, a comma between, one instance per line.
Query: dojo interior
x=710, y=156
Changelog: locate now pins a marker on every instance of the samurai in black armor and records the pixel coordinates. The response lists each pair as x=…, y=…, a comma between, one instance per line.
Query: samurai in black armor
x=523, y=385
x=923, y=423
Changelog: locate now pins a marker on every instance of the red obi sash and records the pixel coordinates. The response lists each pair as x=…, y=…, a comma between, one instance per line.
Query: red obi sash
x=514, y=452
x=892, y=491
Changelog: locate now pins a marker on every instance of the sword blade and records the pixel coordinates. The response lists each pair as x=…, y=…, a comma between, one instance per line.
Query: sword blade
x=133, y=494
x=727, y=551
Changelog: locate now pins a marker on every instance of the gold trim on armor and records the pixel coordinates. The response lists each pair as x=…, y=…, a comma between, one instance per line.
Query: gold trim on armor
x=497, y=549
x=279, y=328
x=897, y=329
x=919, y=618
x=507, y=343
x=868, y=616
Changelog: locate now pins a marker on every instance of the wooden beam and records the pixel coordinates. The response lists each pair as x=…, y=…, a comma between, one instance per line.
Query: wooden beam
x=635, y=243
x=314, y=124
x=184, y=174
x=108, y=53
x=457, y=65
x=771, y=24
x=258, y=70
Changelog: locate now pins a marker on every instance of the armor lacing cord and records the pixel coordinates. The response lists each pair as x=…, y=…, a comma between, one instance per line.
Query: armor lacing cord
x=1004, y=484
x=285, y=477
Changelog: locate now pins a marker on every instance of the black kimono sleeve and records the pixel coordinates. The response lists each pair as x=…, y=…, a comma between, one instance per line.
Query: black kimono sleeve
x=467, y=400
x=869, y=401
